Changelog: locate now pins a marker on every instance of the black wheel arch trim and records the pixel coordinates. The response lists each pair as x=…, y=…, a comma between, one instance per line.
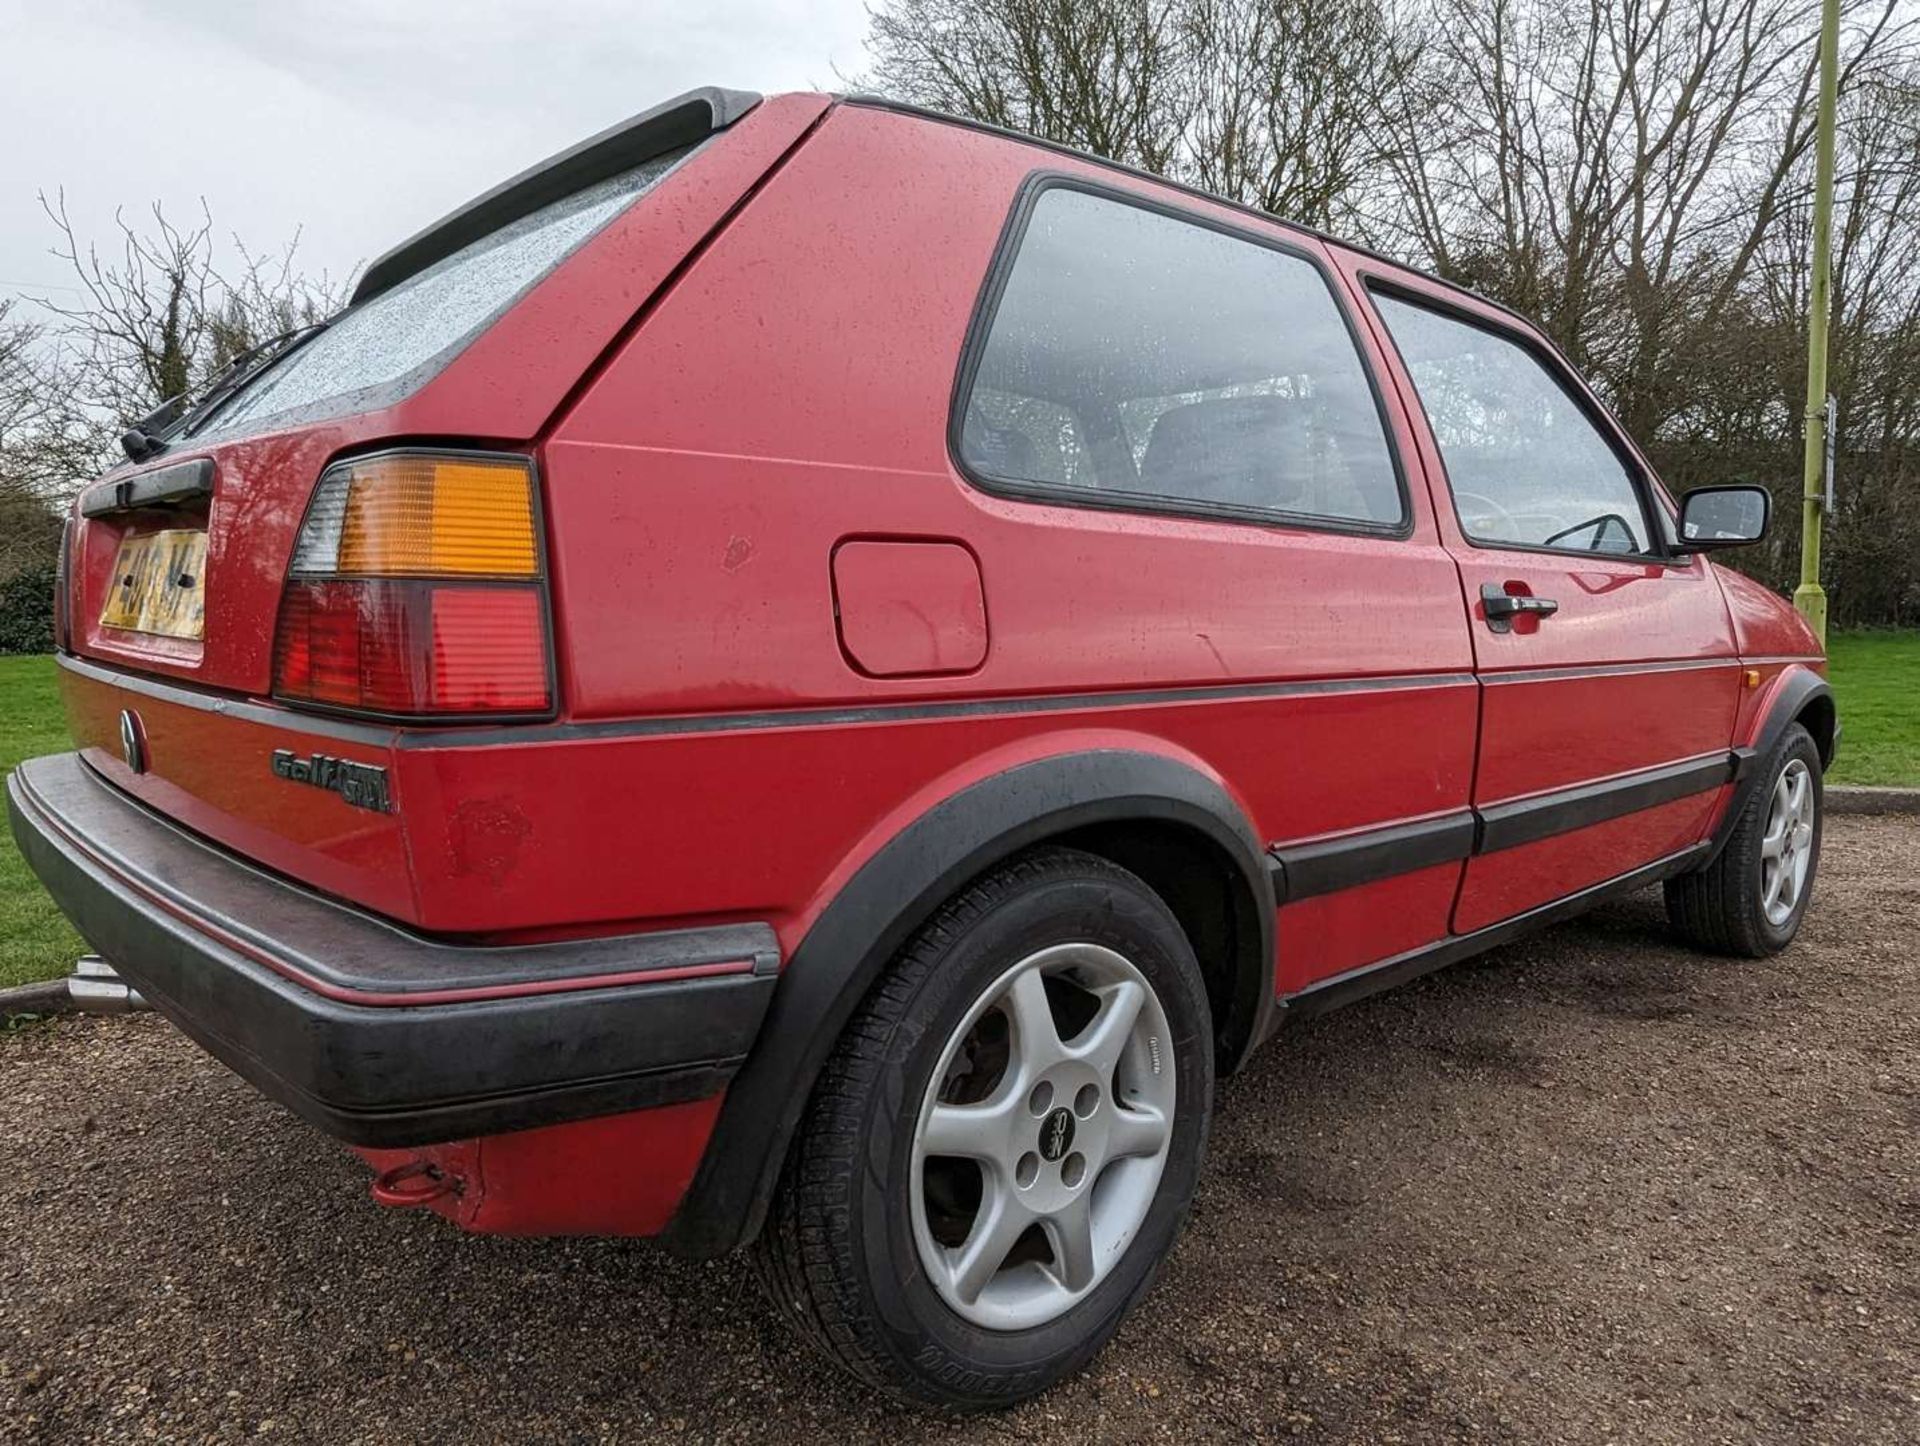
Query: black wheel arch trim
x=895, y=892
x=1799, y=690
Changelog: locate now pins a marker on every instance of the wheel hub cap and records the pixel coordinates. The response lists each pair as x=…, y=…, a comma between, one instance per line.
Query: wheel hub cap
x=1042, y=1137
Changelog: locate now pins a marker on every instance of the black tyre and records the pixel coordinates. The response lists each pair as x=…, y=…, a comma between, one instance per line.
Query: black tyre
x=1004, y=1144
x=1750, y=900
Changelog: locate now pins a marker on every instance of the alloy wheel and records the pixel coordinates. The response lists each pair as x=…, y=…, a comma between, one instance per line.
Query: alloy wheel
x=1042, y=1136
x=1786, y=848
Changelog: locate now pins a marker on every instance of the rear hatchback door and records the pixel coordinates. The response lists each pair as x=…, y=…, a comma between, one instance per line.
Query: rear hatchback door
x=475, y=332
x=478, y=328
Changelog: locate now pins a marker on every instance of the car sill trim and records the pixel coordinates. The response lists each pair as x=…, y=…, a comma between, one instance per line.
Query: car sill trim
x=1527, y=820
x=1357, y=984
x=1326, y=866
x=1310, y=867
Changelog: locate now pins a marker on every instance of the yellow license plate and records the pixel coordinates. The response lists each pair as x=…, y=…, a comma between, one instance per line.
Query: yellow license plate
x=159, y=585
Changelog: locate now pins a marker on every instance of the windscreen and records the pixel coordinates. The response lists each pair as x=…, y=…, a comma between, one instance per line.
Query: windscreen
x=376, y=353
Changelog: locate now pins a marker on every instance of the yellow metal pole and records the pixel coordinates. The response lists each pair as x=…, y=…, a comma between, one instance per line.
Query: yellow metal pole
x=1810, y=597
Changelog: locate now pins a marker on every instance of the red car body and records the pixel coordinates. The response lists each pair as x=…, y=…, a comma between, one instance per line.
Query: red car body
x=809, y=679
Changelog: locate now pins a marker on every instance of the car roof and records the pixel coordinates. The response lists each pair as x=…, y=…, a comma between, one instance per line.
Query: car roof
x=879, y=102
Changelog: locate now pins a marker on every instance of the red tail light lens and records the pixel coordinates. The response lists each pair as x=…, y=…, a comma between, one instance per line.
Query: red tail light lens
x=416, y=591
x=489, y=649
x=412, y=647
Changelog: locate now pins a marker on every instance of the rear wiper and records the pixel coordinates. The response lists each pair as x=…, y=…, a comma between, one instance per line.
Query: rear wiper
x=149, y=436
x=241, y=370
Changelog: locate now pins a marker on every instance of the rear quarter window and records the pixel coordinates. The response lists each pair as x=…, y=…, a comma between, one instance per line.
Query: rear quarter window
x=378, y=352
x=1134, y=357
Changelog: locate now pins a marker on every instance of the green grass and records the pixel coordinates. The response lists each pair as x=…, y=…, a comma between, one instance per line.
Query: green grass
x=36, y=941
x=1876, y=677
x=1876, y=684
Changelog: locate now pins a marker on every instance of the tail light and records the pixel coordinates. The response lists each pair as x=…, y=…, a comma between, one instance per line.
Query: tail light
x=416, y=590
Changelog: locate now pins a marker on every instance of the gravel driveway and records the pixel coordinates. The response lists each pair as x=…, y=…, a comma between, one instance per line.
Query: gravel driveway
x=1588, y=1188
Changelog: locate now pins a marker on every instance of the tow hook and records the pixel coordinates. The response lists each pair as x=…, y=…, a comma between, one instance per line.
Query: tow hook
x=95, y=988
x=416, y=1183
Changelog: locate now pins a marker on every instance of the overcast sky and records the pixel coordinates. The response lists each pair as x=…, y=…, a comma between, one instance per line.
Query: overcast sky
x=354, y=121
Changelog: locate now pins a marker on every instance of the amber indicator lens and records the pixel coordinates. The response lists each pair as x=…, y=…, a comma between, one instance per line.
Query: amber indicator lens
x=421, y=516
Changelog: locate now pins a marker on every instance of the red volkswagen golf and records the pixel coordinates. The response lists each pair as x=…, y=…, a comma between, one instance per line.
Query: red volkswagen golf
x=810, y=675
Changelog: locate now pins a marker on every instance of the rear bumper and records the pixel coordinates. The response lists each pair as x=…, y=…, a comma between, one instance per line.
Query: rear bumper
x=378, y=1036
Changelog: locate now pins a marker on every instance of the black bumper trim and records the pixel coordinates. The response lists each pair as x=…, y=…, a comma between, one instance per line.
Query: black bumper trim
x=353, y=955
x=388, y=1074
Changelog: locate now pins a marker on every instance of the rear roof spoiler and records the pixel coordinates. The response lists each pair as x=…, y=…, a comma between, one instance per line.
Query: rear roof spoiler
x=679, y=122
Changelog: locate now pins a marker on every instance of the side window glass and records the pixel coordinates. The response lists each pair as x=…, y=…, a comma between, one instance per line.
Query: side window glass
x=1026, y=437
x=1143, y=356
x=1526, y=465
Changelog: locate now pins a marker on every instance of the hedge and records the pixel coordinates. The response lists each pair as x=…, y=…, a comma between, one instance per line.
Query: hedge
x=26, y=611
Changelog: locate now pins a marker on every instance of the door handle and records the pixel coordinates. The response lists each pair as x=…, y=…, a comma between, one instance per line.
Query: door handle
x=1503, y=607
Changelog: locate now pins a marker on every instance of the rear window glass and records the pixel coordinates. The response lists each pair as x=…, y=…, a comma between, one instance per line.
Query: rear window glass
x=376, y=353
x=1136, y=356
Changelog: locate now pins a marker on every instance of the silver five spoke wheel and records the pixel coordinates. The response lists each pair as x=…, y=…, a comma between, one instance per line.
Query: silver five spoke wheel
x=1042, y=1136
x=1786, y=848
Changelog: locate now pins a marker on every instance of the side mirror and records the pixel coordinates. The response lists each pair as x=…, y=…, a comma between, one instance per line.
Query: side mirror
x=1729, y=516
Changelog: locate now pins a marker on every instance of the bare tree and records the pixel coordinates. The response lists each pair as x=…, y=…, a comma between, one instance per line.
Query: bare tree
x=21, y=402
x=1634, y=174
x=159, y=316
x=156, y=317
x=1284, y=110
x=264, y=296
x=48, y=442
x=1267, y=102
x=1098, y=74
x=145, y=314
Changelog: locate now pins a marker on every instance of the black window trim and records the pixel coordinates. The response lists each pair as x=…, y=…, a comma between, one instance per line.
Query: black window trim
x=1657, y=520
x=986, y=308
